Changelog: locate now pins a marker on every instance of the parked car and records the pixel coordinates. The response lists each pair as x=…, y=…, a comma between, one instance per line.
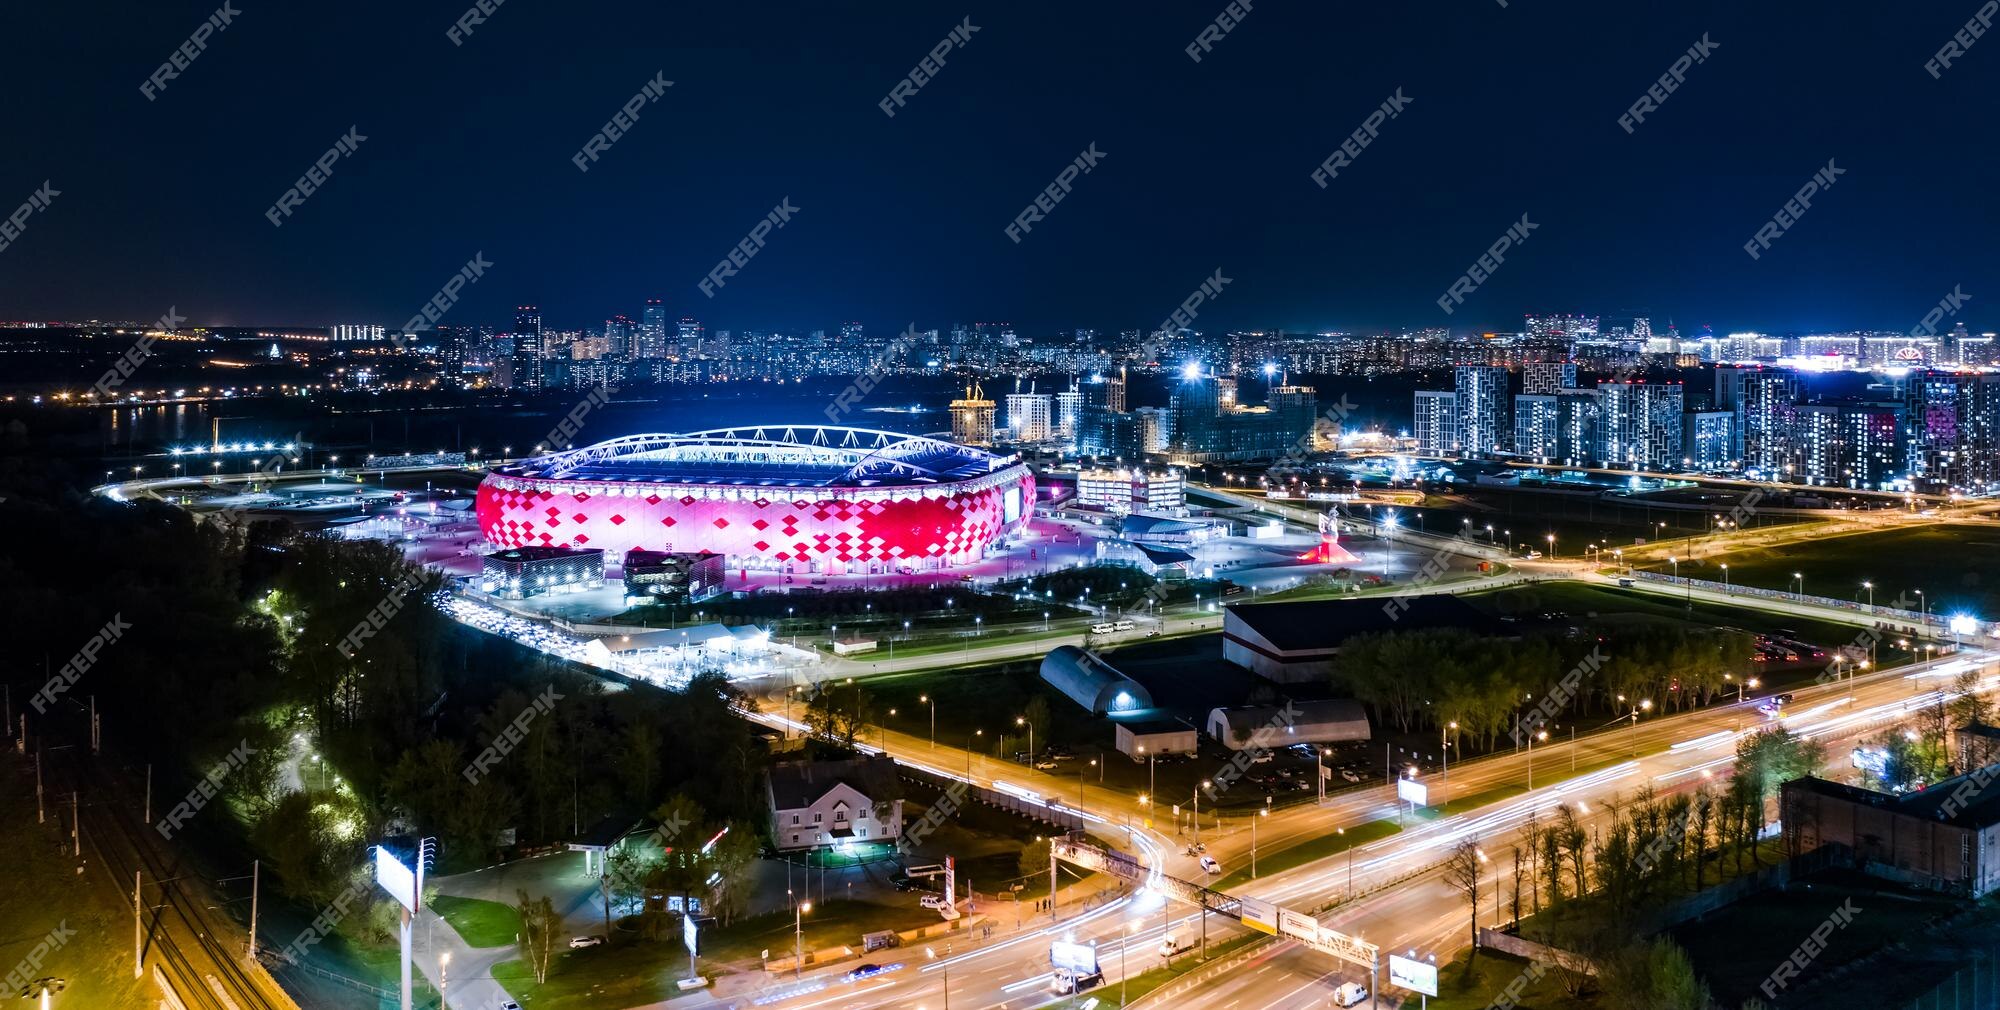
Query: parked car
x=1350, y=994
x=580, y=942
x=1350, y=775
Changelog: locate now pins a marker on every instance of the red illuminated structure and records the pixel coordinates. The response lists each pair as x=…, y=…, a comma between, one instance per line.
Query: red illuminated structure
x=795, y=499
x=1329, y=551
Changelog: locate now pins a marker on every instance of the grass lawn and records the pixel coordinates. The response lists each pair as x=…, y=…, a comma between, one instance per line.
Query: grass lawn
x=626, y=974
x=480, y=922
x=1469, y=984
x=1952, y=564
x=1306, y=852
x=829, y=924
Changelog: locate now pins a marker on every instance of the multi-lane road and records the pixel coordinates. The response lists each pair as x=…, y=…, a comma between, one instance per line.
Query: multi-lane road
x=1419, y=912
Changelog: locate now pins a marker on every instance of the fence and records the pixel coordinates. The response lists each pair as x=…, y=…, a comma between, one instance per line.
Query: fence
x=1786, y=596
x=1973, y=987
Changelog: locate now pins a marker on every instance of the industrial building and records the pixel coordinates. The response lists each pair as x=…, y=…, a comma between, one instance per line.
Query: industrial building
x=672, y=576
x=1085, y=678
x=1339, y=720
x=1297, y=642
x=1945, y=837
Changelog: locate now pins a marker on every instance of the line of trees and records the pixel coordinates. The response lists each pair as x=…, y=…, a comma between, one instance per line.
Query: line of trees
x=1430, y=678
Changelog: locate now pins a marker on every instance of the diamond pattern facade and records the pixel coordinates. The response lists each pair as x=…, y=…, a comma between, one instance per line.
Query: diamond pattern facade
x=831, y=530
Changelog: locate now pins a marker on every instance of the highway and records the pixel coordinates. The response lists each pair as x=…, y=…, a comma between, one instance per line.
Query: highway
x=1420, y=912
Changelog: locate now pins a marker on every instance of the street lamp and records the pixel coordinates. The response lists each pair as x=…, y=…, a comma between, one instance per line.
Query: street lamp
x=1023, y=721
x=1725, y=579
x=1444, y=747
x=1870, y=586
x=1799, y=580
x=798, y=936
x=1262, y=812
x=926, y=699
x=1532, y=737
x=1197, y=811
x=1552, y=546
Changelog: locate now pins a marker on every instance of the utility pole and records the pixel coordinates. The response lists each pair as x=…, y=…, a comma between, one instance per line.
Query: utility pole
x=41, y=815
x=75, y=826
x=138, y=945
x=255, y=867
x=1052, y=878
x=149, y=792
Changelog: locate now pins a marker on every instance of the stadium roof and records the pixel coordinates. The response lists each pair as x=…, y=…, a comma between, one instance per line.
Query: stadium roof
x=778, y=456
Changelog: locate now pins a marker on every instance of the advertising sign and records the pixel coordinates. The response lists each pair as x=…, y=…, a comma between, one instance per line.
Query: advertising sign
x=1261, y=916
x=1080, y=958
x=1297, y=926
x=1413, y=791
x=690, y=936
x=1416, y=976
x=395, y=878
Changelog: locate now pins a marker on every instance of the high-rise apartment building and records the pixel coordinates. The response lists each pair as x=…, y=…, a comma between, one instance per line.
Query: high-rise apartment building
x=1436, y=422
x=1485, y=423
x=652, y=341
x=1547, y=378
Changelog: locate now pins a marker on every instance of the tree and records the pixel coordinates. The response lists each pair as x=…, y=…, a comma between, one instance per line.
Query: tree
x=1654, y=976
x=540, y=925
x=732, y=863
x=1969, y=709
x=1701, y=823
x=837, y=712
x=1034, y=859
x=1461, y=871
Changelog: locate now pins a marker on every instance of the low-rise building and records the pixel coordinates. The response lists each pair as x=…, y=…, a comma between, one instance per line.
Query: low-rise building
x=1160, y=491
x=1085, y=678
x=815, y=804
x=1340, y=720
x=1156, y=738
x=520, y=572
x=673, y=576
x=1945, y=837
x=1298, y=642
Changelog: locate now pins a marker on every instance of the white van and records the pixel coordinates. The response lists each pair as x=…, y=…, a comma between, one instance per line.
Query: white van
x=1123, y=626
x=1102, y=629
x=1173, y=944
x=1350, y=994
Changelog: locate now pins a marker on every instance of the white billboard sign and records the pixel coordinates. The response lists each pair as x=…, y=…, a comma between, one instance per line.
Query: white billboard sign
x=1413, y=791
x=1297, y=926
x=395, y=878
x=1259, y=915
x=1080, y=958
x=691, y=934
x=1416, y=976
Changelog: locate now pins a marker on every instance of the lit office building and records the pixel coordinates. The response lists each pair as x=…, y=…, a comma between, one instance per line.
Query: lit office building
x=526, y=371
x=652, y=343
x=1132, y=490
x=618, y=337
x=1436, y=422
x=1484, y=421
x=687, y=338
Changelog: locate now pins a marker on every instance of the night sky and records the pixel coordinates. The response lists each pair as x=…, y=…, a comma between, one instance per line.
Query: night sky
x=1512, y=111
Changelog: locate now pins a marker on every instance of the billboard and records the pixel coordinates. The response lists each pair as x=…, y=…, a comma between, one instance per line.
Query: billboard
x=1080, y=958
x=691, y=935
x=1416, y=976
x=1298, y=926
x=1413, y=791
x=1261, y=916
x=395, y=878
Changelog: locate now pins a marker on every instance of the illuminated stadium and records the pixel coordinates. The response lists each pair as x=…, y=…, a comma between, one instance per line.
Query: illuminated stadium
x=796, y=499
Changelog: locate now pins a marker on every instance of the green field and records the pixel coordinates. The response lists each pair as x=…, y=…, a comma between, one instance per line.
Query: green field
x=481, y=923
x=1954, y=566
x=1309, y=851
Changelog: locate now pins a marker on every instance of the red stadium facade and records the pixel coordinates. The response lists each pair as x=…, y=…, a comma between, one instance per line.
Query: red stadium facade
x=818, y=499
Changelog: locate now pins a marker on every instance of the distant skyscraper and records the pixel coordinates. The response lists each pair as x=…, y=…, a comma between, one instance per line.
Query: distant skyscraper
x=1436, y=425
x=1577, y=414
x=1766, y=399
x=1484, y=422
x=652, y=331
x=527, y=356
x=1069, y=412
x=618, y=338
x=972, y=418
x=687, y=337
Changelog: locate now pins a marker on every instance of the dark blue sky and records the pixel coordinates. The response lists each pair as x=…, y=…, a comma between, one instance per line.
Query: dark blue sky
x=1513, y=110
